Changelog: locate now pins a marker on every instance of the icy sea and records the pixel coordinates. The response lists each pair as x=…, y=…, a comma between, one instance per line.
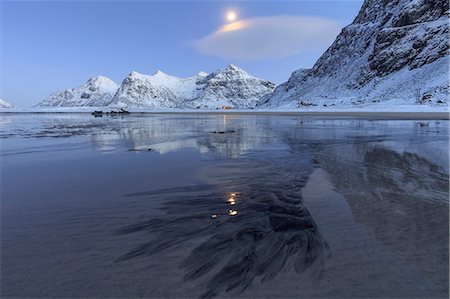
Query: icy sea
x=200, y=206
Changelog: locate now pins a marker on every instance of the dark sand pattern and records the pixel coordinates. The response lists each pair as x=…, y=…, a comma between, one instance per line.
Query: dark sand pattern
x=255, y=231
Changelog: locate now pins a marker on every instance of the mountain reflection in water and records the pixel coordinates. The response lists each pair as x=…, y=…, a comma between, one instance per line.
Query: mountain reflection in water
x=402, y=196
x=165, y=206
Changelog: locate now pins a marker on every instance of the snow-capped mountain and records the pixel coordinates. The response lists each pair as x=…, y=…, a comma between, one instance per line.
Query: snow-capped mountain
x=5, y=104
x=97, y=91
x=393, y=50
x=231, y=86
x=157, y=91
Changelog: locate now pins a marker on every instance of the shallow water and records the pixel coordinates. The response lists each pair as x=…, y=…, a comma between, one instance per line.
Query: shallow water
x=222, y=205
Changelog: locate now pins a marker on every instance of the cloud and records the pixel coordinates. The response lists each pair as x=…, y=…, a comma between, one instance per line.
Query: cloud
x=269, y=37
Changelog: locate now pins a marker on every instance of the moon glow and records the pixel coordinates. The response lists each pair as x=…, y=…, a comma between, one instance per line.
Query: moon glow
x=231, y=16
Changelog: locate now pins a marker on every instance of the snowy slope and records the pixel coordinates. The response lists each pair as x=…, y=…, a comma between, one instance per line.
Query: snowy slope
x=394, y=50
x=5, y=104
x=98, y=91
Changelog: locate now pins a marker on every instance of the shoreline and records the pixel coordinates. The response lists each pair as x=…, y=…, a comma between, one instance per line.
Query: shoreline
x=410, y=115
x=357, y=114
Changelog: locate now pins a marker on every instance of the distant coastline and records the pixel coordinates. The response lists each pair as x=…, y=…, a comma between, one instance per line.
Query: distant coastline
x=366, y=114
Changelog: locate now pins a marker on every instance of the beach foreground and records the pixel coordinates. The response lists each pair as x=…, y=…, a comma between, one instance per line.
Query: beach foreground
x=224, y=204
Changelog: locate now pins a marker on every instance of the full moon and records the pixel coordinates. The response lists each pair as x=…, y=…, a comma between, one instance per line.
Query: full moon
x=231, y=16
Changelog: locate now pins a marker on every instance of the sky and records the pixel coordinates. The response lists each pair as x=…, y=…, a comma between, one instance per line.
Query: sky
x=53, y=45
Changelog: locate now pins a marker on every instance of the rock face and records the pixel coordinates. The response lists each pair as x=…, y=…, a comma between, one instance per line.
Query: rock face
x=393, y=50
x=98, y=91
x=5, y=104
x=231, y=86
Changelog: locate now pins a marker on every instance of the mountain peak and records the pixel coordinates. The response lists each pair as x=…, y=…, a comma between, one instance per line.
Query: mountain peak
x=233, y=67
x=5, y=104
x=232, y=71
x=160, y=73
x=135, y=74
x=100, y=80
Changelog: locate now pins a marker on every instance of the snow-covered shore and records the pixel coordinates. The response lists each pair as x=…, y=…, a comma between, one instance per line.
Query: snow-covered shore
x=394, y=105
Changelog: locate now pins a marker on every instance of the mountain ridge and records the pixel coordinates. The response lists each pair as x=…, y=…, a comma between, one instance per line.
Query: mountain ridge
x=231, y=86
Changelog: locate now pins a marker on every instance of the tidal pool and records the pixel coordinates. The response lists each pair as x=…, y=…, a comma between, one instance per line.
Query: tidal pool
x=167, y=205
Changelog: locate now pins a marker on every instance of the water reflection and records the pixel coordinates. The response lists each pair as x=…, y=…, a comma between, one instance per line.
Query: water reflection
x=401, y=196
x=232, y=198
x=166, y=133
x=246, y=223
